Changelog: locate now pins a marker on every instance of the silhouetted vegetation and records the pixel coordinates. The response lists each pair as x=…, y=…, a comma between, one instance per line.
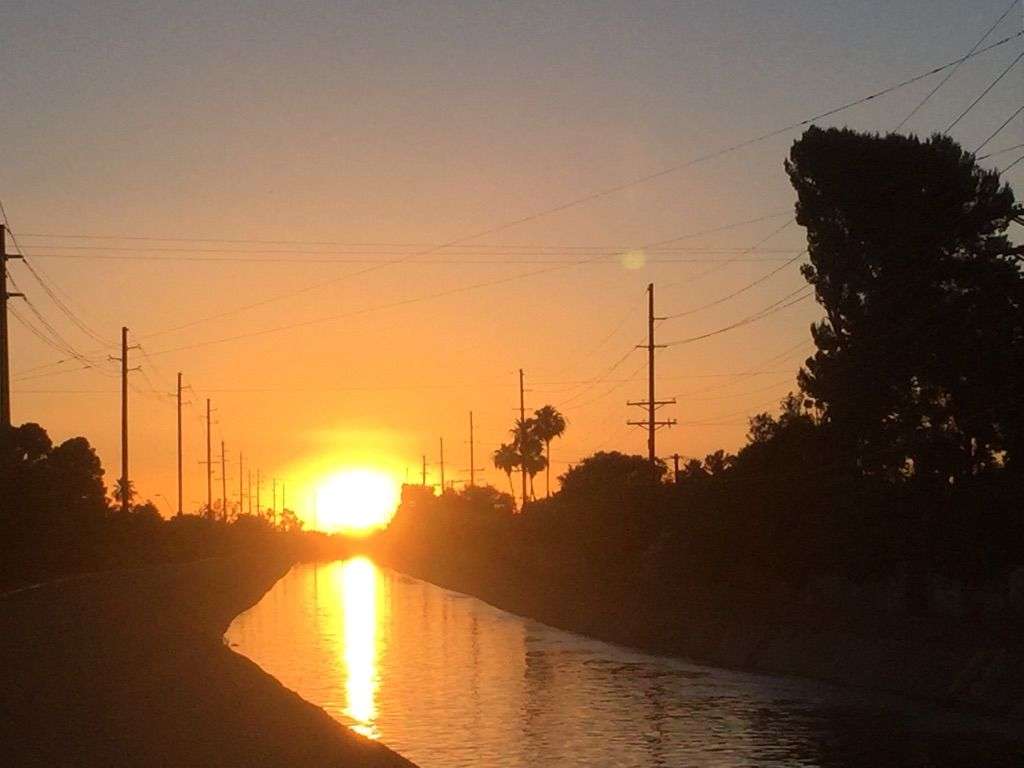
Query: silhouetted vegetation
x=56, y=518
x=530, y=449
x=897, y=468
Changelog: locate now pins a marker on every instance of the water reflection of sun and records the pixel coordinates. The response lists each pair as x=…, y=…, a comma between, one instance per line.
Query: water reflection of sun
x=356, y=501
x=359, y=615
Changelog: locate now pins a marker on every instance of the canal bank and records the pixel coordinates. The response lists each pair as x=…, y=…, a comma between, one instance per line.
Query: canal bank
x=973, y=665
x=449, y=680
x=130, y=668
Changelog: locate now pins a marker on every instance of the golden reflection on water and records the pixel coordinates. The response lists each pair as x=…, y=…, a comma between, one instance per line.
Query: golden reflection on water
x=357, y=586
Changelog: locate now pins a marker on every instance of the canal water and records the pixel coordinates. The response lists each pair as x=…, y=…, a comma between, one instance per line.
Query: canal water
x=448, y=681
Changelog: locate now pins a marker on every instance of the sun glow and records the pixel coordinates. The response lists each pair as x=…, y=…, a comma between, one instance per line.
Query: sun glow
x=356, y=501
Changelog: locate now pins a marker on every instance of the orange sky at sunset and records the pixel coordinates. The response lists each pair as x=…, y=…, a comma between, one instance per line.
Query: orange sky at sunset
x=284, y=155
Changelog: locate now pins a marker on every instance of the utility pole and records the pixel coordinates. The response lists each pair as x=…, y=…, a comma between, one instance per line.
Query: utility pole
x=472, y=458
x=223, y=484
x=209, y=465
x=259, y=510
x=675, y=467
x=125, y=495
x=651, y=403
x=125, y=483
x=179, y=446
x=442, y=466
x=522, y=432
x=248, y=489
x=5, y=359
x=241, y=496
x=423, y=481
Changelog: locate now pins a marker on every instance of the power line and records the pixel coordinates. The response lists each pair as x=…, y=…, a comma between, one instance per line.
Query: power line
x=314, y=286
x=956, y=67
x=1000, y=152
x=739, y=291
x=54, y=339
x=998, y=130
x=638, y=180
x=367, y=244
x=786, y=301
x=52, y=292
x=726, y=262
x=1011, y=165
x=984, y=93
x=498, y=261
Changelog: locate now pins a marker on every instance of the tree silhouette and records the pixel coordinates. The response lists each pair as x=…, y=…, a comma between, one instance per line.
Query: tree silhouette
x=693, y=469
x=506, y=458
x=530, y=447
x=52, y=498
x=548, y=424
x=609, y=472
x=116, y=493
x=718, y=462
x=917, y=370
x=290, y=521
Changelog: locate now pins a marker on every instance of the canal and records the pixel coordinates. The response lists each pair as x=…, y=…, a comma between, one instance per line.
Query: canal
x=448, y=680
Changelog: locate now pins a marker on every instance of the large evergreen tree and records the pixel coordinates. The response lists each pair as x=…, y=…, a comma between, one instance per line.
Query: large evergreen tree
x=917, y=370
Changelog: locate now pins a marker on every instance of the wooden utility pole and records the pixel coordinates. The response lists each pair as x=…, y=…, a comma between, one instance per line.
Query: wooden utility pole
x=248, y=489
x=522, y=432
x=125, y=495
x=125, y=482
x=241, y=496
x=5, y=358
x=223, y=484
x=180, y=485
x=442, y=466
x=651, y=403
x=472, y=459
x=423, y=481
x=209, y=465
x=675, y=467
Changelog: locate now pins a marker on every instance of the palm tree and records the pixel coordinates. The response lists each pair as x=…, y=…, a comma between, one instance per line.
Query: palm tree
x=529, y=448
x=548, y=424
x=118, y=491
x=506, y=458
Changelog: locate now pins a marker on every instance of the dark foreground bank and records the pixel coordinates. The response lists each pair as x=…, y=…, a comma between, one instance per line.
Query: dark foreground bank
x=130, y=668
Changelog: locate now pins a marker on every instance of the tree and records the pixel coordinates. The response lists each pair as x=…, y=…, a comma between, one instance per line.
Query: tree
x=116, y=493
x=530, y=447
x=290, y=521
x=917, y=366
x=48, y=491
x=610, y=474
x=548, y=425
x=693, y=469
x=486, y=500
x=506, y=458
x=718, y=462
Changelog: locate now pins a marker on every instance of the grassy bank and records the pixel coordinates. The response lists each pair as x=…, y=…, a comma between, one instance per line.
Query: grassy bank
x=129, y=668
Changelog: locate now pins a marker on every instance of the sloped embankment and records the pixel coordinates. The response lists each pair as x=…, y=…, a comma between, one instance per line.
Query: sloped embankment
x=130, y=668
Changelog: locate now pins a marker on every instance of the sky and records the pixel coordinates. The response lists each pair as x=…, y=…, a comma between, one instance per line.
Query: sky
x=229, y=180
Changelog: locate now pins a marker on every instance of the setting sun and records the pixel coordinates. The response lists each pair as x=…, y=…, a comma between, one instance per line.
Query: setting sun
x=356, y=501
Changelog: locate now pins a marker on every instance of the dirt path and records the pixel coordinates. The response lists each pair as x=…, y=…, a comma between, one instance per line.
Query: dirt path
x=129, y=669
